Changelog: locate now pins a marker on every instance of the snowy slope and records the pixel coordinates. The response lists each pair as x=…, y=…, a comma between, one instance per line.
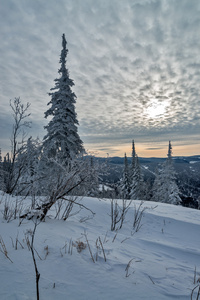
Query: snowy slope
x=163, y=255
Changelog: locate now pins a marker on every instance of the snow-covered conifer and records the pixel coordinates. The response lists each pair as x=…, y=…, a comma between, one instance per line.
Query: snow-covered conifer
x=134, y=157
x=125, y=181
x=62, y=139
x=165, y=188
x=91, y=184
x=137, y=183
x=30, y=157
x=136, y=178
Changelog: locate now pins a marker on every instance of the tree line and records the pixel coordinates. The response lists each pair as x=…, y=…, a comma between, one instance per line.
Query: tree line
x=164, y=188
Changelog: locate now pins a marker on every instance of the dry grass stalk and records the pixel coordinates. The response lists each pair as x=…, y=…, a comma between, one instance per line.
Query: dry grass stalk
x=198, y=292
x=151, y=279
x=89, y=248
x=3, y=249
x=138, y=214
x=65, y=247
x=105, y=240
x=70, y=248
x=27, y=241
x=127, y=268
x=46, y=249
x=114, y=237
x=102, y=249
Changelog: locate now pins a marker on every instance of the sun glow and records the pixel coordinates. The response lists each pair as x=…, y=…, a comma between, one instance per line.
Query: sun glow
x=156, y=109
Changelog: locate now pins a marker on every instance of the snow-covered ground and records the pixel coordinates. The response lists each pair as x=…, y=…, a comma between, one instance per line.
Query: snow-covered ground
x=157, y=262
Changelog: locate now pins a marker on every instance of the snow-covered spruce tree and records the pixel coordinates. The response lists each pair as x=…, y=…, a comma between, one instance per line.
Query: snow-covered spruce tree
x=137, y=187
x=29, y=181
x=137, y=183
x=91, y=185
x=134, y=160
x=62, y=140
x=125, y=181
x=165, y=188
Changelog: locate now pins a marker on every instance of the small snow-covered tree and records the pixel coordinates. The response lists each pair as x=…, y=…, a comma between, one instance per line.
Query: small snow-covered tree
x=29, y=181
x=125, y=181
x=165, y=188
x=62, y=139
x=137, y=189
x=137, y=184
x=92, y=183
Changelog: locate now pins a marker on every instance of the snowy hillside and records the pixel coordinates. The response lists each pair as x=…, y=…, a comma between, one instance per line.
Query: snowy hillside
x=156, y=262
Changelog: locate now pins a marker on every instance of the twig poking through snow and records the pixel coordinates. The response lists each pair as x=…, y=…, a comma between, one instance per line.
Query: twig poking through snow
x=4, y=250
x=151, y=279
x=127, y=268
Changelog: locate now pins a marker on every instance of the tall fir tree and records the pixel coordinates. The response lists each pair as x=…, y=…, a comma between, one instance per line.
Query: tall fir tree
x=62, y=139
x=165, y=188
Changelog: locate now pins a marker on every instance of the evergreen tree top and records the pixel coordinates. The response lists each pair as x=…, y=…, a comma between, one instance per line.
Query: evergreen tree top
x=133, y=155
x=169, y=154
x=133, y=149
x=63, y=56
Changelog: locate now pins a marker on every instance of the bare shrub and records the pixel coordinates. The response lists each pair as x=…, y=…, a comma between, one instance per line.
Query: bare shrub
x=58, y=208
x=138, y=214
x=16, y=167
x=15, y=244
x=12, y=208
x=197, y=287
x=68, y=208
x=118, y=213
x=84, y=219
x=64, y=181
x=198, y=290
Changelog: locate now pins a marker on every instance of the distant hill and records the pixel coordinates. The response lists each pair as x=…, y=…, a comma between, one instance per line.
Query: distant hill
x=144, y=160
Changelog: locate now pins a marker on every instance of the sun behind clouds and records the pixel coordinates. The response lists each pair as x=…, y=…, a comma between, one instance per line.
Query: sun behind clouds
x=156, y=109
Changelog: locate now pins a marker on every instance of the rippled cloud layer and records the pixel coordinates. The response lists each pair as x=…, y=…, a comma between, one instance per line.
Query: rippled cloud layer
x=135, y=64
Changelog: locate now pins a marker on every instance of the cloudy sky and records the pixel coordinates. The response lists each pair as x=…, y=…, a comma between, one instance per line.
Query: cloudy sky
x=135, y=65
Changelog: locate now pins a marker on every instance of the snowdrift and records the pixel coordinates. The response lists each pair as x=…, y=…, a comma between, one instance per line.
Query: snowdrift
x=81, y=258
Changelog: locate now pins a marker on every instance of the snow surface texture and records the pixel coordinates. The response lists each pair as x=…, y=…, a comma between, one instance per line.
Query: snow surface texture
x=157, y=262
